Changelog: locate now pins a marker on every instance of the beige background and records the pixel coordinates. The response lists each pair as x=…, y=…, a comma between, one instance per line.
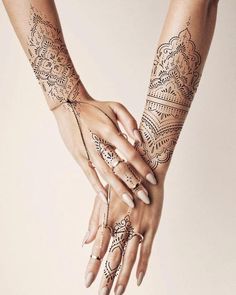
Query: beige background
x=45, y=199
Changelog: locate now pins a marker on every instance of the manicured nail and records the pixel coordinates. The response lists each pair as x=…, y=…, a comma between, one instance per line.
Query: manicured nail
x=102, y=197
x=140, y=278
x=137, y=136
x=151, y=178
x=104, y=291
x=120, y=290
x=127, y=199
x=89, y=279
x=143, y=195
x=85, y=238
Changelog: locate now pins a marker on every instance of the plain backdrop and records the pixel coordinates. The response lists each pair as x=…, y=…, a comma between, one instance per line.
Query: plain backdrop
x=45, y=200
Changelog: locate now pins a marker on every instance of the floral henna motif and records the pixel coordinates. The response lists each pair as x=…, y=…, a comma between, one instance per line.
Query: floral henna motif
x=50, y=59
x=123, y=232
x=106, y=150
x=174, y=81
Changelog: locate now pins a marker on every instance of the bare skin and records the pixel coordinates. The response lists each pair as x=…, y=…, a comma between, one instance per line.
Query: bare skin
x=177, y=68
x=89, y=128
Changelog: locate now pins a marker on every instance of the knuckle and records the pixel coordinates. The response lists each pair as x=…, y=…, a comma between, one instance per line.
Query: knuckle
x=132, y=121
x=109, y=131
x=118, y=104
x=132, y=155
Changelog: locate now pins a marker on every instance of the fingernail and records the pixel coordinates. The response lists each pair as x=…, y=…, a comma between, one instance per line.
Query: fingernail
x=137, y=135
x=120, y=290
x=89, y=279
x=127, y=199
x=85, y=238
x=143, y=195
x=140, y=278
x=104, y=291
x=151, y=178
x=102, y=197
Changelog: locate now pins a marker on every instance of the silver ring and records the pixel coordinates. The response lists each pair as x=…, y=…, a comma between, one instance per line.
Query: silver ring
x=141, y=237
x=95, y=257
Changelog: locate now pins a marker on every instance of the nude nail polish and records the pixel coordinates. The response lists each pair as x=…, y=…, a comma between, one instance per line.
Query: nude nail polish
x=85, y=238
x=140, y=278
x=104, y=291
x=143, y=195
x=151, y=178
x=127, y=199
x=137, y=136
x=120, y=290
x=89, y=279
x=102, y=197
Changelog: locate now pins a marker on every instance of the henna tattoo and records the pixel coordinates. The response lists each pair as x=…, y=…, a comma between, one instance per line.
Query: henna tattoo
x=50, y=60
x=123, y=232
x=174, y=81
x=120, y=168
x=106, y=150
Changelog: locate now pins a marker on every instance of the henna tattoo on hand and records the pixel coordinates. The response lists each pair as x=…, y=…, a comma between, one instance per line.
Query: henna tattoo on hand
x=123, y=232
x=106, y=150
x=174, y=81
x=50, y=60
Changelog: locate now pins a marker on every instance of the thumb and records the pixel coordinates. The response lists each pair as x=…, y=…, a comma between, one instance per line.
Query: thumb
x=93, y=223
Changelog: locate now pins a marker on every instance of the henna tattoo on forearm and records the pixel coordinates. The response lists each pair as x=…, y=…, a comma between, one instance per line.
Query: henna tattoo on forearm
x=174, y=81
x=50, y=60
x=123, y=232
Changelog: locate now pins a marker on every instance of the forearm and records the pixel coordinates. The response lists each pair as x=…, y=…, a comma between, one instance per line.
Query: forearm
x=177, y=68
x=38, y=28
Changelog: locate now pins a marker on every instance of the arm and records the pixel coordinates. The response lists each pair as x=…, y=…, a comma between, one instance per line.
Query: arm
x=176, y=72
x=177, y=68
x=88, y=127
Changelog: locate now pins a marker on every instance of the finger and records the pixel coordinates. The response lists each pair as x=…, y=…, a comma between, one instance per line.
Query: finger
x=93, y=178
x=127, y=175
x=127, y=266
x=144, y=256
x=99, y=249
x=123, y=170
x=127, y=120
x=116, y=252
x=132, y=156
x=93, y=223
x=107, y=174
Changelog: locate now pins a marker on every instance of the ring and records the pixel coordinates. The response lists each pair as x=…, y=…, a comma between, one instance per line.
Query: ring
x=141, y=237
x=108, y=227
x=116, y=163
x=95, y=257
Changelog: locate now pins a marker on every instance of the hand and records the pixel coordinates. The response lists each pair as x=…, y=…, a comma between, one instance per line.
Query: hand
x=126, y=227
x=90, y=131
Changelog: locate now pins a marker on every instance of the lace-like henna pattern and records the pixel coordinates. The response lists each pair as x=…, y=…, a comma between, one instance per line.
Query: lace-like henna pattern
x=50, y=59
x=123, y=231
x=106, y=150
x=174, y=81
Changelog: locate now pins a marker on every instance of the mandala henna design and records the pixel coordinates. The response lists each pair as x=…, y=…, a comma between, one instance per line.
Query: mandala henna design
x=123, y=232
x=50, y=60
x=174, y=81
